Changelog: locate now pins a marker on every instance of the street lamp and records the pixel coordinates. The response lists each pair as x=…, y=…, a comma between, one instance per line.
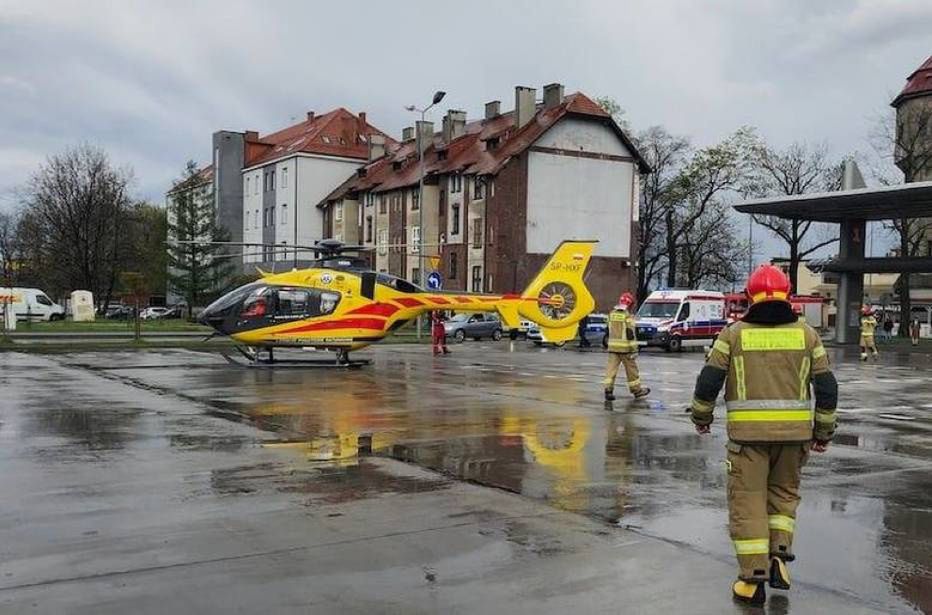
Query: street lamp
x=438, y=96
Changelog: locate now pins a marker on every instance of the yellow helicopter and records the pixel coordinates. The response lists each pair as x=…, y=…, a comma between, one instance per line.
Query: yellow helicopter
x=339, y=304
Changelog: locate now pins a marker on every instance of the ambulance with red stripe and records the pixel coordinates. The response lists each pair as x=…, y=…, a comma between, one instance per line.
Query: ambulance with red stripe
x=675, y=319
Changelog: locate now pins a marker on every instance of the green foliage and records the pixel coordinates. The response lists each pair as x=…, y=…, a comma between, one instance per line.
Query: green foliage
x=198, y=269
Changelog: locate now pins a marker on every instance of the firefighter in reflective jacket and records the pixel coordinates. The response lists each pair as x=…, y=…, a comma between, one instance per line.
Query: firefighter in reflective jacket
x=770, y=365
x=868, y=325
x=622, y=350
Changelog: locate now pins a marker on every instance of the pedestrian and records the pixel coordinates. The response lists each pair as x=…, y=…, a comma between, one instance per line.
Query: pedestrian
x=438, y=333
x=770, y=364
x=888, y=328
x=623, y=350
x=868, y=326
x=914, y=329
x=583, y=325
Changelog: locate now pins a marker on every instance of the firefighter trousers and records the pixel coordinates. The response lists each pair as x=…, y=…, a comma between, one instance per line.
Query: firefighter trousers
x=867, y=344
x=763, y=493
x=629, y=360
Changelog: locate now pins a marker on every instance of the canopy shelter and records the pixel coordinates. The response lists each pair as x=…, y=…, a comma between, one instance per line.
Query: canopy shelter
x=851, y=209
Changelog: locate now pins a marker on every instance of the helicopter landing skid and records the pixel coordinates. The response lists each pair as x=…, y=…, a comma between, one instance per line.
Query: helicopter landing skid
x=255, y=359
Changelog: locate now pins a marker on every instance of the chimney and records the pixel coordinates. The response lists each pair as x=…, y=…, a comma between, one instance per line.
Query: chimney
x=524, y=105
x=553, y=95
x=425, y=134
x=493, y=109
x=454, y=125
x=252, y=135
x=362, y=118
x=376, y=146
x=310, y=116
x=407, y=133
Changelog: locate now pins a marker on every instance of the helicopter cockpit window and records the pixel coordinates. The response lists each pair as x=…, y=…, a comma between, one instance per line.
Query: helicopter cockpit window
x=398, y=284
x=304, y=302
x=328, y=302
x=256, y=304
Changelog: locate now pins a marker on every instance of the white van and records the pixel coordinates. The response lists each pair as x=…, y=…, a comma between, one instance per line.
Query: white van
x=30, y=303
x=675, y=319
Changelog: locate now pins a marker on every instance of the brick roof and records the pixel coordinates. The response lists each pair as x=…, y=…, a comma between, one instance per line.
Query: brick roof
x=473, y=152
x=919, y=83
x=337, y=133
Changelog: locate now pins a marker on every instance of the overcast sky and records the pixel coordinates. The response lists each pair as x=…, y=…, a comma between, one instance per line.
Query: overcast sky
x=150, y=81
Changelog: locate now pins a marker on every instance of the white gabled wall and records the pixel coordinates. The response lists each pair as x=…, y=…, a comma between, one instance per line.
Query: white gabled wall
x=316, y=176
x=575, y=197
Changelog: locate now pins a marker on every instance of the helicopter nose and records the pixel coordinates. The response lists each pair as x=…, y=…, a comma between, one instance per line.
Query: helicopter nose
x=211, y=317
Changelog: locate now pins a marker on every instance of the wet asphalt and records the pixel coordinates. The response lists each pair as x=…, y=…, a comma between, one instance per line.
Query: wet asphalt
x=139, y=481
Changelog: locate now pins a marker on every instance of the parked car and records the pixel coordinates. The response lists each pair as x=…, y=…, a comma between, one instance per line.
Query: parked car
x=596, y=332
x=177, y=311
x=476, y=326
x=119, y=312
x=30, y=304
x=154, y=313
x=521, y=330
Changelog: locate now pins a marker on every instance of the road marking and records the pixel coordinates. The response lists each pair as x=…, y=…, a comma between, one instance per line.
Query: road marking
x=897, y=417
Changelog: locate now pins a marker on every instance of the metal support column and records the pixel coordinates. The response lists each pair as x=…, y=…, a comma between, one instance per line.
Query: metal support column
x=850, y=284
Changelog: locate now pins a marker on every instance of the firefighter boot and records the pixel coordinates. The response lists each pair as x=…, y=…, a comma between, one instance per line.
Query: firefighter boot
x=609, y=395
x=642, y=392
x=779, y=574
x=749, y=593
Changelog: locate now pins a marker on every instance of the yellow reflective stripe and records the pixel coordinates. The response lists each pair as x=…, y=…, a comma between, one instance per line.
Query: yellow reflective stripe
x=804, y=379
x=703, y=406
x=824, y=416
x=768, y=404
x=634, y=383
x=739, y=378
x=773, y=339
x=818, y=352
x=782, y=522
x=722, y=346
x=754, y=416
x=754, y=546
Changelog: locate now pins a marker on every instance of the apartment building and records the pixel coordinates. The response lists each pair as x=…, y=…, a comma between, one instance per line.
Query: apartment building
x=267, y=187
x=499, y=195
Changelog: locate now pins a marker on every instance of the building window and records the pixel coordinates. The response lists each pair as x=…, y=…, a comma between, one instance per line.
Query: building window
x=247, y=185
x=416, y=239
x=416, y=276
x=369, y=229
x=382, y=205
x=338, y=212
x=284, y=215
x=453, y=265
x=383, y=239
x=456, y=182
x=477, y=233
x=456, y=220
x=477, y=279
x=478, y=189
x=415, y=200
x=284, y=178
x=255, y=183
x=272, y=180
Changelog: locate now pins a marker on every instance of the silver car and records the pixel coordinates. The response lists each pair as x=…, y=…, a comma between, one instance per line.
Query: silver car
x=476, y=326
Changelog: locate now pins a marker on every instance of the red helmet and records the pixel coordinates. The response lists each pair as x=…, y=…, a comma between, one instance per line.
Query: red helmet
x=768, y=283
x=626, y=299
x=867, y=310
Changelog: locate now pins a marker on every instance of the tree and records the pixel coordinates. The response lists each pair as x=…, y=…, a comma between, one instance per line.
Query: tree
x=665, y=154
x=72, y=232
x=197, y=269
x=713, y=255
x=707, y=177
x=10, y=257
x=611, y=106
x=903, y=142
x=148, y=229
x=798, y=169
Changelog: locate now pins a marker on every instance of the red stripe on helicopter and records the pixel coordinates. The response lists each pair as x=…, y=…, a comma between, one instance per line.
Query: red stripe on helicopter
x=463, y=299
x=376, y=309
x=409, y=302
x=343, y=323
x=439, y=300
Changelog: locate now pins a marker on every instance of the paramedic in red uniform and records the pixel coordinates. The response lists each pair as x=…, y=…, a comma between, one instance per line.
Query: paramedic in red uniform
x=438, y=334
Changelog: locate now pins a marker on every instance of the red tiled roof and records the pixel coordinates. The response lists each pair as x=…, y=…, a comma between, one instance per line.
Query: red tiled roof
x=470, y=153
x=917, y=84
x=204, y=175
x=337, y=133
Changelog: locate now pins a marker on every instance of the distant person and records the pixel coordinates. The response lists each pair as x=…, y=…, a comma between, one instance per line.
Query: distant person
x=438, y=334
x=583, y=325
x=771, y=365
x=868, y=326
x=914, y=330
x=888, y=328
x=623, y=350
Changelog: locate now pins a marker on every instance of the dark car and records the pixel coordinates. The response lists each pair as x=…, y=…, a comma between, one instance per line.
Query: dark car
x=476, y=326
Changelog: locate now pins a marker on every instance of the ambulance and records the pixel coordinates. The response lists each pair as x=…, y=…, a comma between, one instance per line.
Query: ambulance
x=676, y=319
x=30, y=303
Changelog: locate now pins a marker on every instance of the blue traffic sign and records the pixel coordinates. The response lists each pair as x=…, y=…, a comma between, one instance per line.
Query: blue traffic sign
x=434, y=280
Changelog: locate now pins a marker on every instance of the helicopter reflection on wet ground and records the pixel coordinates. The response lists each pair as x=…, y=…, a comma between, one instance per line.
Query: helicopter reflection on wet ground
x=532, y=422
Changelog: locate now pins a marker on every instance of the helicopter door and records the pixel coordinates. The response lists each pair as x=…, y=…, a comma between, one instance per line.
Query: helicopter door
x=297, y=303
